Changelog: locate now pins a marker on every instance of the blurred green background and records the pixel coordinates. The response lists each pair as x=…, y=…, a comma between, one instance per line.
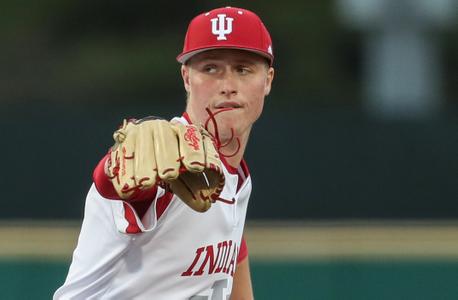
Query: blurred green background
x=361, y=126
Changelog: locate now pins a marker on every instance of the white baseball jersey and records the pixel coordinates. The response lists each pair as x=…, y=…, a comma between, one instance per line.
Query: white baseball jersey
x=171, y=252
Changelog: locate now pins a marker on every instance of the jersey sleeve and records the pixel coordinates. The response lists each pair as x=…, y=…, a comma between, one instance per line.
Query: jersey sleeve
x=243, y=253
x=127, y=218
x=137, y=214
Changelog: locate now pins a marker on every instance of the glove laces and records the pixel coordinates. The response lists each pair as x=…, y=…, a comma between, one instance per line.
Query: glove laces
x=219, y=145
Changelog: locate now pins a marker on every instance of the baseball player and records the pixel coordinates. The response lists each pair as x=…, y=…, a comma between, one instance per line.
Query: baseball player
x=164, y=217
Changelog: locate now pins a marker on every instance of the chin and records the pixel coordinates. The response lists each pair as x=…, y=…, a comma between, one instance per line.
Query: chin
x=224, y=128
x=226, y=122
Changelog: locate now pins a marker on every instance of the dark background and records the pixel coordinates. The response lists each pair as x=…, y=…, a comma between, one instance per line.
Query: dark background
x=72, y=70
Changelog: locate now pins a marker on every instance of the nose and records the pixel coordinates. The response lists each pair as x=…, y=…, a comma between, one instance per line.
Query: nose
x=228, y=85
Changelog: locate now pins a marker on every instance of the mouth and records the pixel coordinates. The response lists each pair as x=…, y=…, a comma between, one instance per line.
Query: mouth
x=228, y=105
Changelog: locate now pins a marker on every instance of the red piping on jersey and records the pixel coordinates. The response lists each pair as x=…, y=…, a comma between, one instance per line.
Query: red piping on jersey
x=129, y=215
x=245, y=169
x=140, y=200
x=162, y=203
x=141, y=207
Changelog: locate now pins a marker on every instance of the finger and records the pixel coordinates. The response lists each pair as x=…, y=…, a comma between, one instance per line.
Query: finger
x=144, y=161
x=125, y=163
x=192, y=150
x=212, y=160
x=166, y=150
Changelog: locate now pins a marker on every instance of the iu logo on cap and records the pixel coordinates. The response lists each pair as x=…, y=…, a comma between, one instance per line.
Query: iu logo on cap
x=221, y=26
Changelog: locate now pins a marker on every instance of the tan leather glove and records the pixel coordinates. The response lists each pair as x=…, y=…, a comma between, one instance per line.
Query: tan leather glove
x=150, y=151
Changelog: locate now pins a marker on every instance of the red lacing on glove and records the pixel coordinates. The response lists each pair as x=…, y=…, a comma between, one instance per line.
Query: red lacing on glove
x=104, y=185
x=211, y=117
x=219, y=145
x=138, y=186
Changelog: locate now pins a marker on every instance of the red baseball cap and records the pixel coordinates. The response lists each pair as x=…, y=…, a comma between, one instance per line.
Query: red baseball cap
x=227, y=28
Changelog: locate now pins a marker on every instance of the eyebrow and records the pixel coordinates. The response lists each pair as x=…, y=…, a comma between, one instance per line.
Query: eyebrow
x=237, y=61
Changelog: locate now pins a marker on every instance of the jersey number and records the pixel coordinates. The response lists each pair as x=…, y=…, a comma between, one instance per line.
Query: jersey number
x=218, y=292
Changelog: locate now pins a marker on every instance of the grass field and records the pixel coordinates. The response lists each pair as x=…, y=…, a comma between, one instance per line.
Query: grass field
x=319, y=260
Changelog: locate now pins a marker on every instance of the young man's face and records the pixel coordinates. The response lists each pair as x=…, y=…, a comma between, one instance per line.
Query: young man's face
x=227, y=78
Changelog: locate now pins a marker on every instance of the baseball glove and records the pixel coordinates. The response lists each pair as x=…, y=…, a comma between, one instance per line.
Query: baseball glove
x=182, y=158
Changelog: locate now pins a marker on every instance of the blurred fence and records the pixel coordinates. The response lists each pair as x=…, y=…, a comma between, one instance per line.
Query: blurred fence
x=305, y=162
x=72, y=71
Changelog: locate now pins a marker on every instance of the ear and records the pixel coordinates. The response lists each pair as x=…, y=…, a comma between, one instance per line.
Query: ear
x=269, y=79
x=185, y=76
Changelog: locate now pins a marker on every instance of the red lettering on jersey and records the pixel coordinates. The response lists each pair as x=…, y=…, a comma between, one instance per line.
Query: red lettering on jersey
x=223, y=257
x=227, y=257
x=209, y=257
x=227, y=253
x=231, y=267
x=188, y=272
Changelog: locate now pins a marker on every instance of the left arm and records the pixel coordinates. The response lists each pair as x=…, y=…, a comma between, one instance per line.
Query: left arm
x=242, y=288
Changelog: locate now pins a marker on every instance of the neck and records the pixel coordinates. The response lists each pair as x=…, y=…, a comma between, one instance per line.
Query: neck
x=232, y=148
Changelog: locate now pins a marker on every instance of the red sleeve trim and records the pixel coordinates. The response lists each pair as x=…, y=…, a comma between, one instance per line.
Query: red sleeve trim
x=140, y=200
x=102, y=182
x=141, y=207
x=129, y=215
x=162, y=203
x=243, y=252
